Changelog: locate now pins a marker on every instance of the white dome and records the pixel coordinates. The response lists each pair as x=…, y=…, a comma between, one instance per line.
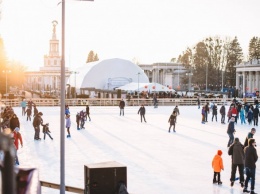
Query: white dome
x=108, y=74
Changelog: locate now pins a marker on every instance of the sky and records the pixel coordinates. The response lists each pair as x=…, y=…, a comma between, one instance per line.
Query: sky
x=147, y=31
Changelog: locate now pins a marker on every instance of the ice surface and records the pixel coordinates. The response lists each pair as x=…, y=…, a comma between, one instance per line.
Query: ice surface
x=157, y=162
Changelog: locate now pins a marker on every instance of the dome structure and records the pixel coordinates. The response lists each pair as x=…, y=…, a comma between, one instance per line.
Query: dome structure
x=108, y=74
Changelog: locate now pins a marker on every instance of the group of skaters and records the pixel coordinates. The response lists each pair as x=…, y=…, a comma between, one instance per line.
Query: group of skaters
x=243, y=156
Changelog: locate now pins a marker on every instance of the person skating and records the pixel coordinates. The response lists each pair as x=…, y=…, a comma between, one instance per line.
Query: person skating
x=17, y=138
x=176, y=109
x=37, y=121
x=203, y=112
x=236, y=152
x=87, y=113
x=255, y=115
x=35, y=110
x=250, y=116
x=198, y=100
x=249, y=136
x=23, y=105
x=242, y=115
x=231, y=130
x=28, y=113
x=142, y=112
x=214, y=112
x=122, y=106
x=206, y=111
x=68, y=124
x=78, y=120
x=217, y=165
x=222, y=113
x=14, y=122
x=250, y=159
x=172, y=121
x=46, y=131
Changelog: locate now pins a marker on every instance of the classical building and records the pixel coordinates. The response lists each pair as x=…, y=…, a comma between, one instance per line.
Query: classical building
x=247, y=78
x=167, y=74
x=48, y=78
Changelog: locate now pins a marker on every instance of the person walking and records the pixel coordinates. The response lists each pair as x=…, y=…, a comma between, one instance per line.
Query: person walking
x=122, y=106
x=87, y=113
x=250, y=159
x=249, y=136
x=172, y=121
x=222, y=113
x=236, y=152
x=37, y=121
x=142, y=112
x=23, y=105
x=231, y=130
x=214, y=112
x=217, y=165
x=68, y=124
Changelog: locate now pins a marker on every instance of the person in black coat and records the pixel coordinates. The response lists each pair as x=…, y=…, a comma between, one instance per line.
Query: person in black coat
x=14, y=122
x=206, y=111
x=35, y=110
x=122, y=106
x=172, y=121
x=255, y=116
x=250, y=159
x=223, y=113
x=28, y=113
x=142, y=112
x=249, y=135
x=87, y=113
x=37, y=121
x=231, y=130
x=237, y=159
x=214, y=111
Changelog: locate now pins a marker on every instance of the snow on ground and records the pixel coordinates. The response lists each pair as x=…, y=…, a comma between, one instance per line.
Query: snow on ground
x=157, y=162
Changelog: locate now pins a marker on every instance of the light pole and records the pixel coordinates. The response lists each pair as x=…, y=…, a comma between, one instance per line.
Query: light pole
x=6, y=72
x=75, y=72
x=189, y=74
x=138, y=74
x=62, y=103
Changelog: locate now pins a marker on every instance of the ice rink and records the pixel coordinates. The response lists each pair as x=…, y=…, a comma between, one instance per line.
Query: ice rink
x=157, y=162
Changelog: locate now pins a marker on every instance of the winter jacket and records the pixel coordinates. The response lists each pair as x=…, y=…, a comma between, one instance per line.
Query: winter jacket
x=214, y=110
x=172, y=119
x=255, y=112
x=23, y=104
x=250, y=114
x=17, y=137
x=250, y=156
x=217, y=163
x=37, y=121
x=141, y=110
x=14, y=122
x=234, y=111
x=222, y=110
x=176, y=109
x=237, y=153
x=87, y=109
x=29, y=112
x=122, y=104
x=231, y=127
x=249, y=135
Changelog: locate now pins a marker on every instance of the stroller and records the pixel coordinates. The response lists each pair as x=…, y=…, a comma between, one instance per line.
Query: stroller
x=46, y=130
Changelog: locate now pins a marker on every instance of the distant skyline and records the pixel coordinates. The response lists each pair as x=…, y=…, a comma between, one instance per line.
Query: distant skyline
x=149, y=31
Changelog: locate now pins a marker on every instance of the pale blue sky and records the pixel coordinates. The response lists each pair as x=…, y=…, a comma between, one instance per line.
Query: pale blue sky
x=151, y=31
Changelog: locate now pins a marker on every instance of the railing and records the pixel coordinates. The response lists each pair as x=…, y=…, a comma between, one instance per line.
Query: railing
x=57, y=186
x=131, y=102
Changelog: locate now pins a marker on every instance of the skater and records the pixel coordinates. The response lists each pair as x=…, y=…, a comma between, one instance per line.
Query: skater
x=78, y=120
x=234, y=112
x=23, y=105
x=14, y=122
x=206, y=111
x=30, y=104
x=142, y=112
x=250, y=167
x=249, y=135
x=155, y=101
x=28, y=113
x=198, y=100
x=217, y=165
x=46, y=131
x=237, y=160
x=176, y=109
x=242, y=115
x=68, y=124
x=203, y=115
x=87, y=113
x=17, y=138
x=255, y=116
x=67, y=110
x=214, y=112
x=222, y=113
x=37, y=121
x=172, y=121
x=82, y=119
x=122, y=106
x=35, y=110
x=231, y=130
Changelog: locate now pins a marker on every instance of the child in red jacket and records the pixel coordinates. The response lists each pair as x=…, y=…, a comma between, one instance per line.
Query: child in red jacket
x=17, y=137
x=217, y=165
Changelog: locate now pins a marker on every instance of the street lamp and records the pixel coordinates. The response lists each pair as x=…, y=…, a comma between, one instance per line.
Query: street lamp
x=75, y=72
x=138, y=86
x=62, y=103
x=189, y=74
x=6, y=72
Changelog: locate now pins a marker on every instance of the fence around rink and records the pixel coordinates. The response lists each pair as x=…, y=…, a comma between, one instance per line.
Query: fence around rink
x=131, y=102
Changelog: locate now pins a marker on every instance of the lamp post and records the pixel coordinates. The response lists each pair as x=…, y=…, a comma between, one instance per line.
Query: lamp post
x=189, y=74
x=75, y=72
x=62, y=104
x=6, y=72
x=138, y=74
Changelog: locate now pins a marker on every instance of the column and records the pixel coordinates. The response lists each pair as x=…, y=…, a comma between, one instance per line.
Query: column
x=257, y=80
x=244, y=83
x=250, y=82
x=237, y=80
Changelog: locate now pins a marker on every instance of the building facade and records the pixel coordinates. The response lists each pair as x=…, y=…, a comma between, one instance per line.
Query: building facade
x=48, y=78
x=247, y=78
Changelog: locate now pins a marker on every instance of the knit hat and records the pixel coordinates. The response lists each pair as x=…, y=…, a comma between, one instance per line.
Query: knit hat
x=251, y=141
x=236, y=139
x=219, y=152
